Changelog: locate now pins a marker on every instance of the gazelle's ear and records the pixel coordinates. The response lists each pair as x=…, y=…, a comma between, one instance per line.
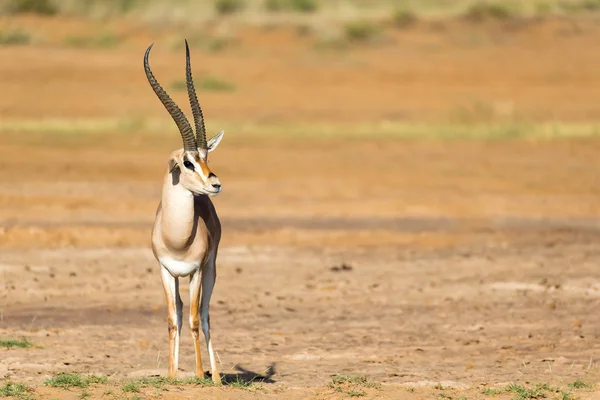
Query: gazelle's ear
x=214, y=141
x=173, y=165
x=175, y=171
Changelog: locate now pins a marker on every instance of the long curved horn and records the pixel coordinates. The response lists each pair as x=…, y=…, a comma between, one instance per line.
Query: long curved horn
x=196, y=110
x=185, y=129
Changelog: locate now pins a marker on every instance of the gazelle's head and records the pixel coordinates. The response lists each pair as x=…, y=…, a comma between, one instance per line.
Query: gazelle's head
x=188, y=166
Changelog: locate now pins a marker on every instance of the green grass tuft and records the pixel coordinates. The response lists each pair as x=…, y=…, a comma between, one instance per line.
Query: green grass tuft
x=12, y=343
x=565, y=396
x=482, y=10
x=161, y=383
x=524, y=393
x=275, y=5
x=16, y=390
x=403, y=18
x=130, y=387
x=492, y=391
x=352, y=385
x=240, y=383
x=354, y=380
x=209, y=83
x=96, y=379
x=14, y=38
x=216, y=84
x=67, y=381
x=197, y=381
x=356, y=393
x=360, y=31
x=104, y=41
x=539, y=391
x=225, y=7
x=41, y=7
x=578, y=384
x=581, y=6
x=158, y=382
x=303, y=6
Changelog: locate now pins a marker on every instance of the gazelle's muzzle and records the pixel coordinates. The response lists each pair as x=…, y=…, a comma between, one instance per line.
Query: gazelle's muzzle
x=214, y=183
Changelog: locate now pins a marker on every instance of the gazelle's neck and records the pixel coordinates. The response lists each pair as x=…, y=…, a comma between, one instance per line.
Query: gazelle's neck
x=178, y=221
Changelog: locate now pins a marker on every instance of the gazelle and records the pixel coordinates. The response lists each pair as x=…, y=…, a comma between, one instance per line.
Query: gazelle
x=187, y=231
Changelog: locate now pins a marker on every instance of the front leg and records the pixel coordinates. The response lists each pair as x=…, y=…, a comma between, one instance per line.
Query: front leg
x=195, y=319
x=175, y=314
x=209, y=276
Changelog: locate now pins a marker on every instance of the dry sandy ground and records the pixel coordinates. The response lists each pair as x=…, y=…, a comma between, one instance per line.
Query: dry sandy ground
x=472, y=263
x=505, y=291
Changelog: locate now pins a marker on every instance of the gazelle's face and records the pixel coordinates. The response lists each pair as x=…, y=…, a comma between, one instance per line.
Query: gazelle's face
x=194, y=174
x=190, y=169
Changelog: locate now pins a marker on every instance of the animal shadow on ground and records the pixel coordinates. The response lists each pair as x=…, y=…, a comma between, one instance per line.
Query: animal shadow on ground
x=247, y=377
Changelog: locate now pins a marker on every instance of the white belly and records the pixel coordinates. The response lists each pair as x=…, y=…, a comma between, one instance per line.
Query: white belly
x=179, y=268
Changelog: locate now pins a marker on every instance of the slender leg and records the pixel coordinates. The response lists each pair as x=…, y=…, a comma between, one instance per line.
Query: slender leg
x=209, y=275
x=174, y=308
x=179, y=305
x=195, y=319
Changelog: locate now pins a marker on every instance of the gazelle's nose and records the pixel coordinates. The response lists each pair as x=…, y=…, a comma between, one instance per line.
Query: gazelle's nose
x=214, y=181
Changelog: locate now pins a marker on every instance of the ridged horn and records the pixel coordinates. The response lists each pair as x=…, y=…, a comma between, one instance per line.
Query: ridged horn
x=196, y=110
x=185, y=129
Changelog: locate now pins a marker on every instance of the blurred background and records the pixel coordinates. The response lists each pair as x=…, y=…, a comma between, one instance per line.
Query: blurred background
x=332, y=108
x=369, y=132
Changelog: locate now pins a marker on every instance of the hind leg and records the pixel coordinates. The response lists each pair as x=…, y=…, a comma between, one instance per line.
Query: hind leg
x=195, y=319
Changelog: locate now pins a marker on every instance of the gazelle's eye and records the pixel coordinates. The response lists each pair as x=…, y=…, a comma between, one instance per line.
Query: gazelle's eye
x=188, y=165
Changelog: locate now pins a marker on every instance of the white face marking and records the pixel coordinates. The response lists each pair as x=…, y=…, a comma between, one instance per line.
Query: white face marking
x=179, y=268
x=197, y=167
x=200, y=171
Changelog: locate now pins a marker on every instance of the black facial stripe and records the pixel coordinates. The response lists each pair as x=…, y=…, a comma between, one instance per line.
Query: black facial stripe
x=211, y=175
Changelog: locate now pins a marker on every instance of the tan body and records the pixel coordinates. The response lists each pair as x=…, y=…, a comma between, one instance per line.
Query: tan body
x=187, y=231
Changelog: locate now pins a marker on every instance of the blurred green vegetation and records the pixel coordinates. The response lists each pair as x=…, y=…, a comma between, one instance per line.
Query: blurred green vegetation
x=210, y=83
x=228, y=6
x=305, y=6
x=361, y=30
x=483, y=10
x=14, y=38
x=104, y=130
x=403, y=17
x=401, y=11
x=106, y=40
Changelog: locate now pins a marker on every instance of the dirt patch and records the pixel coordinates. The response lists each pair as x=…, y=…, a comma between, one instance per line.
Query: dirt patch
x=470, y=315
